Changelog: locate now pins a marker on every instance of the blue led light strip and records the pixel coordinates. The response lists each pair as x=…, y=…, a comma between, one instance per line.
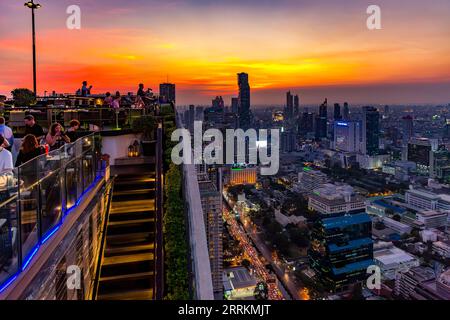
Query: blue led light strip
x=46, y=238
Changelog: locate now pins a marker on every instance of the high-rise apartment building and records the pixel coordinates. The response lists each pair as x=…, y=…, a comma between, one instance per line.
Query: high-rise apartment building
x=289, y=109
x=337, y=112
x=306, y=123
x=346, y=112
x=296, y=105
x=211, y=200
x=322, y=121
x=408, y=129
x=347, y=136
x=235, y=105
x=167, y=92
x=371, y=131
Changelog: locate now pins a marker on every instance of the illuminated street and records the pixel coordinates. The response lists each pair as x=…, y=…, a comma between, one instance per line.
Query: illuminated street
x=286, y=277
x=239, y=234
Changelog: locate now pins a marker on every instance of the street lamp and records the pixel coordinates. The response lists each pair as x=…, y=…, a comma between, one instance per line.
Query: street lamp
x=31, y=5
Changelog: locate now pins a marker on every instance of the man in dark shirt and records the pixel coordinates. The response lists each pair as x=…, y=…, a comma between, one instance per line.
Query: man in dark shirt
x=85, y=90
x=73, y=132
x=31, y=127
x=141, y=92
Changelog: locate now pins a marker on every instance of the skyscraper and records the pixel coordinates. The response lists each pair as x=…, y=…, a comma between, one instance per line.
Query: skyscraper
x=167, y=92
x=244, y=101
x=306, y=123
x=446, y=134
x=408, y=129
x=235, y=105
x=296, y=105
x=288, y=141
x=191, y=117
x=289, y=109
x=218, y=103
x=347, y=136
x=370, y=131
x=322, y=120
x=337, y=112
x=346, y=112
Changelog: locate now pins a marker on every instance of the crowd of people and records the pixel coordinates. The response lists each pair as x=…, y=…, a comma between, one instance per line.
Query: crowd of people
x=35, y=142
x=143, y=97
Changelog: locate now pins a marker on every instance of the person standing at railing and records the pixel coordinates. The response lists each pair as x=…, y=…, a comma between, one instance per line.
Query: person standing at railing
x=7, y=133
x=31, y=127
x=116, y=101
x=56, y=137
x=108, y=100
x=143, y=98
x=29, y=150
x=85, y=90
x=141, y=92
x=6, y=160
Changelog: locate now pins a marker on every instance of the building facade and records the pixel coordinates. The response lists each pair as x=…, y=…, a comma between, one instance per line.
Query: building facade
x=212, y=209
x=341, y=250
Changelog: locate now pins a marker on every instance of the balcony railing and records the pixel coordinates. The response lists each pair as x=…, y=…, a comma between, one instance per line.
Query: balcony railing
x=103, y=118
x=36, y=198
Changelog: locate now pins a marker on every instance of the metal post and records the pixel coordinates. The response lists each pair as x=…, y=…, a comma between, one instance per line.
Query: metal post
x=34, y=51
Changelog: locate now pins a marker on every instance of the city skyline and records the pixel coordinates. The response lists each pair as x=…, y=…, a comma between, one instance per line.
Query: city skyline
x=320, y=51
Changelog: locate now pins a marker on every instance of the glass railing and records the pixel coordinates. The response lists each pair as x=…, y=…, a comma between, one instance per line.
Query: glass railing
x=103, y=118
x=35, y=198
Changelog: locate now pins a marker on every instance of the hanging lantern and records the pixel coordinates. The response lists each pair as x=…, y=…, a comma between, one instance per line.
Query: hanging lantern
x=136, y=148
x=130, y=151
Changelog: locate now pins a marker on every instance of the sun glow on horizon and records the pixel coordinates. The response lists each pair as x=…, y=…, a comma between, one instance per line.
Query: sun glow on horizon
x=201, y=49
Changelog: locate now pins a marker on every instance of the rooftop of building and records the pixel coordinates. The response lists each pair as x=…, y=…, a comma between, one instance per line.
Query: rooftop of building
x=332, y=194
x=382, y=203
x=444, y=278
x=240, y=277
x=431, y=213
x=392, y=255
x=424, y=193
x=422, y=274
x=207, y=187
x=442, y=244
x=346, y=220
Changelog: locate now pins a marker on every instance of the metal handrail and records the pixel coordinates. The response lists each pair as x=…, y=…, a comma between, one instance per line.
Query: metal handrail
x=96, y=280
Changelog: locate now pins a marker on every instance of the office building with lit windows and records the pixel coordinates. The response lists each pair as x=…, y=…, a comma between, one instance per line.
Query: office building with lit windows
x=341, y=250
x=347, y=136
x=246, y=175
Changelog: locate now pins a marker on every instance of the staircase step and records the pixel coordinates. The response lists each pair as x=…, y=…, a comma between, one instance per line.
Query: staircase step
x=129, y=248
x=129, y=238
x=125, y=259
x=146, y=294
x=131, y=216
x=131, y=276
x=133, y=192
x=130, y=222
x=132, y=206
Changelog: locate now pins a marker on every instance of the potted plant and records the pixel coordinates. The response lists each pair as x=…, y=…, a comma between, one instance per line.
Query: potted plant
x=146, y=125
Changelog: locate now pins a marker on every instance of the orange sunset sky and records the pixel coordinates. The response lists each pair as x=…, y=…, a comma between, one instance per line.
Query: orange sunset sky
x=315, y=48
